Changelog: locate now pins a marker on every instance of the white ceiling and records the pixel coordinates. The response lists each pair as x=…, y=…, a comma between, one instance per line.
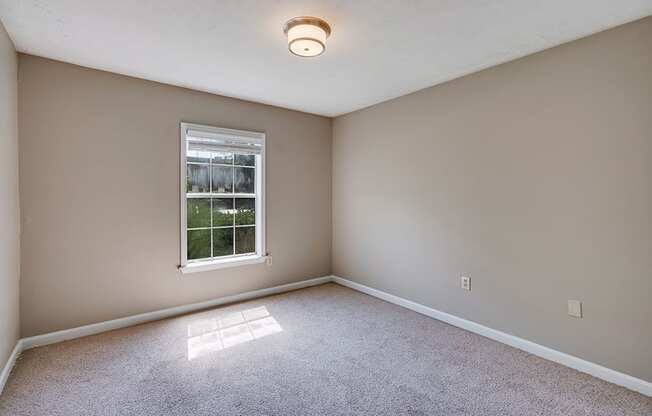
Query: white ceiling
x=378, y=50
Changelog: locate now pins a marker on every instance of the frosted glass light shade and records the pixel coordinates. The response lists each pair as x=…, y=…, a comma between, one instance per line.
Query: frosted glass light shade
x=307, y=35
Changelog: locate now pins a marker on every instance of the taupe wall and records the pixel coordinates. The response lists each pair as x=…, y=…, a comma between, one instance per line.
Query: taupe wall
x=533, y=177
x=9, y=207
x=99, y=165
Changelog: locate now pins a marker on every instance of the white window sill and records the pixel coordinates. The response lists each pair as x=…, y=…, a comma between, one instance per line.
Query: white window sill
x=221, y=264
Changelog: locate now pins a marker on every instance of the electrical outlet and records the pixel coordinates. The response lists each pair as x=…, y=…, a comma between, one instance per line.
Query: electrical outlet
x=575, y=308
x=466, y=283
x=268, y=260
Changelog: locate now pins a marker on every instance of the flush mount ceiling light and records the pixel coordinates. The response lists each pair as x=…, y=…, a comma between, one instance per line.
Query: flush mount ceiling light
x=307, y=35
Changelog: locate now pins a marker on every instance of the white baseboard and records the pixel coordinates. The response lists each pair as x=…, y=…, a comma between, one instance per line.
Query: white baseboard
x=9, y=365
x=607, y=374
x=82, y=331
x=576, y=363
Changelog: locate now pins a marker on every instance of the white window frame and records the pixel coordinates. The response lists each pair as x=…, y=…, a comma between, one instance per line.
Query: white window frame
x=234, y=136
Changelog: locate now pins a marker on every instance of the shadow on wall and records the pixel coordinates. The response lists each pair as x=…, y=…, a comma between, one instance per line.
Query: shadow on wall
x=210, y=335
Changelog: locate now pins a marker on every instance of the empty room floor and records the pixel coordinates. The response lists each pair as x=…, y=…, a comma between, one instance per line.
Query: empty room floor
x=324, y=350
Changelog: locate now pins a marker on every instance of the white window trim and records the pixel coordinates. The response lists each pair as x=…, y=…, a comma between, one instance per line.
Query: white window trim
x=261, y=254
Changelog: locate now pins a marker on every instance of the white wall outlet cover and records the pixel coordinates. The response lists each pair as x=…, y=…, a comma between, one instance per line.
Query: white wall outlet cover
x=466, y=282
x=575, y=308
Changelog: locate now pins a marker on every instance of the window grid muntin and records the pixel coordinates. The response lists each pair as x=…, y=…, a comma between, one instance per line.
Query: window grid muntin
x=222, y=226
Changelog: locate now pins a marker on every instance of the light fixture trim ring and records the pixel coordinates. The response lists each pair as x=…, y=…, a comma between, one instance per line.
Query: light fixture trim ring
x=323, y=47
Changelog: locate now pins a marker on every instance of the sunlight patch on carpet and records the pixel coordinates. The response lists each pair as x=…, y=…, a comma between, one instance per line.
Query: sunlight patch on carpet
x=210, y=335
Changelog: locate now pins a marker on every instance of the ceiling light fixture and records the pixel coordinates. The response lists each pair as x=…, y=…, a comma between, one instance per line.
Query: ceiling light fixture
x=307, y=35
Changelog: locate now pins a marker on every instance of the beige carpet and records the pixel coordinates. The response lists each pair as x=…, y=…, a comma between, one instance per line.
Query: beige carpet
x=325, y=350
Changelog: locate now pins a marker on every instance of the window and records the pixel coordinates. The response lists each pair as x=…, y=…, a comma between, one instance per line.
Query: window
x=222, y=206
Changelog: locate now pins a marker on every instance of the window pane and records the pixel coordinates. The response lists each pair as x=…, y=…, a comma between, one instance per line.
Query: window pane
x=245, y=211
x=222, y=212
x=222, y=242
x=197, y=178
x=244, y=180
x=198, y=156
x=223, y=158
x=199, y=244
x=245, y=160
x=222, y=179
x=245, y=240
x=199, y=212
